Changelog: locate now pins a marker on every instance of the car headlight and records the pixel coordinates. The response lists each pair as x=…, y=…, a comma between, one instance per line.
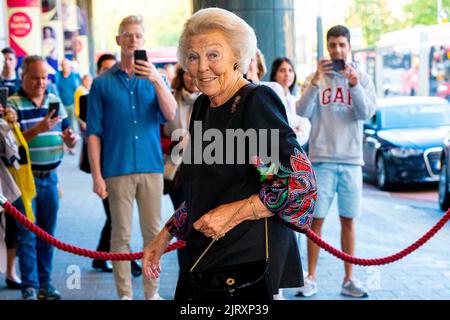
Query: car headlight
x=438, y=165
x=442, y=88
x=405, y=152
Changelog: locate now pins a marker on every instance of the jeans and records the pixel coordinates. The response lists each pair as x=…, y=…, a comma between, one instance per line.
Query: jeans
x=35, y=255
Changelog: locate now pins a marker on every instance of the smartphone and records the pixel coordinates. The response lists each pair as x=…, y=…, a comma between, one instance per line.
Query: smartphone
x=140, y=55
x=338, y=65
x=4, y=96
x=53, y=106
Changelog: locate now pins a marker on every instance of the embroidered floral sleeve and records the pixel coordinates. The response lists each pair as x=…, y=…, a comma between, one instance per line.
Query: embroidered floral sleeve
x=177, y=224
x=290, y=193
x=288, y=185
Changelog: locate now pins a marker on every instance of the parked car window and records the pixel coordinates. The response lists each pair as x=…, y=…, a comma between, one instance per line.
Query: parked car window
x=371, y=123
x=415, y=116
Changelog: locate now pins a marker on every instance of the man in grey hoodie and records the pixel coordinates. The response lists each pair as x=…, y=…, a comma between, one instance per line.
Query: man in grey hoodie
x=337, y=103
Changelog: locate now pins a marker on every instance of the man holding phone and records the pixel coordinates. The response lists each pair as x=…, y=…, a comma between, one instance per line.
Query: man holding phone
x=126, y=106
x=45, y=135
x=9, y=77
x=337, y=98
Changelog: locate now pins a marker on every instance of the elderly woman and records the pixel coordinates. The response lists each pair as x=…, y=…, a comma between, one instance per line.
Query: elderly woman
x=227, y=201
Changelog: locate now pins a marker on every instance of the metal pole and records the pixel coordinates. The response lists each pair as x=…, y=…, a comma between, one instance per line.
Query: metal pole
x=319, y=39
x=319, y=31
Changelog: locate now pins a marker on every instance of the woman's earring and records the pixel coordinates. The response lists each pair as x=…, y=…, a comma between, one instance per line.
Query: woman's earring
x=236, y=66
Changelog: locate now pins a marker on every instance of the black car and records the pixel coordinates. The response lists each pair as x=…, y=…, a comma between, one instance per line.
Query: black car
x=403, y=141
x=444, y=178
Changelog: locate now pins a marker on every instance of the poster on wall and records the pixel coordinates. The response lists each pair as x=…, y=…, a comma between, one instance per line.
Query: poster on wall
x=24, y=27
x=75, y=26
x=70, y=26
x=52, y=33
x=82, y=48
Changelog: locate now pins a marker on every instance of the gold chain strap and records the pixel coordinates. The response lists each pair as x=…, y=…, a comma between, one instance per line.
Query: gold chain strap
x=225, y=226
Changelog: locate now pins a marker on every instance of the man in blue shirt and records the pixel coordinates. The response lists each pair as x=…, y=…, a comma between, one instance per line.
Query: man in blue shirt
x=125, y=111
x=67, y=81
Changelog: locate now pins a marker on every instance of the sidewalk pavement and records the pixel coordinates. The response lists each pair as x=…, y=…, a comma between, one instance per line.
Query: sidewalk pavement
x=385, y=227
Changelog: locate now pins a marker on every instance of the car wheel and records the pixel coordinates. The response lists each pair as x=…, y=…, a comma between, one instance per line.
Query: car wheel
x=383, y=179
x=444, y=194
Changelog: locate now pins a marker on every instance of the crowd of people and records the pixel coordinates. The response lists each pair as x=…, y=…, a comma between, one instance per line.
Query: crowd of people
x=136, y=125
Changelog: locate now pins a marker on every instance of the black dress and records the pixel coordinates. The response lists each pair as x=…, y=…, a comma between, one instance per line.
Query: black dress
x=208, y=185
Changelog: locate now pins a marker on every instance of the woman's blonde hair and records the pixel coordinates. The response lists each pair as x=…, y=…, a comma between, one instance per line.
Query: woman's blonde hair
x=241, y=37
x=261, y=61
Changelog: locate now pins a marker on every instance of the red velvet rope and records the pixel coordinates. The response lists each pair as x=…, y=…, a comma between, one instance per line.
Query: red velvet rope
x=380, y=261
x=9, y=208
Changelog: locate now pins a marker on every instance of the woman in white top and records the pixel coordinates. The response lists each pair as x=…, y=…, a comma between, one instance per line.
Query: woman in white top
x=283, y=72
x=185, y=93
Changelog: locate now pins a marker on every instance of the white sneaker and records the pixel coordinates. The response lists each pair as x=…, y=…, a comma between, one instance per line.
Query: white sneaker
x=125, y=298
x=279, y=295
x=309, y=289
x=354, y=288
x=156, y=296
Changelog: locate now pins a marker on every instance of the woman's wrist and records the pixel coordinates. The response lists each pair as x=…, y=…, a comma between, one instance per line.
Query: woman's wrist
x=247, y=212
x=252, y=205
x=165, y=236
x=165, y=232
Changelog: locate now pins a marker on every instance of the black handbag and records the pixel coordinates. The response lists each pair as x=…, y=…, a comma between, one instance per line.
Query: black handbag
x=84, y=161
x=241, y=282
x=172, y=185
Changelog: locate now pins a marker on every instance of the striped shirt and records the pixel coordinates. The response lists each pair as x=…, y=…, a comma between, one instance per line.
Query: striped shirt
x=46, y=149
x=12, y=84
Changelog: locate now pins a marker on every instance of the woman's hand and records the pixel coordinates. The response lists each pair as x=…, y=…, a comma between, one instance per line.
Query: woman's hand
x=217, y=222
x=153, y=252
x=9, y=114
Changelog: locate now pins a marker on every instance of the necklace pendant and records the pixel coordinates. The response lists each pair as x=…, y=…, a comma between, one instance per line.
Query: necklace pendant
x=235, y=104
